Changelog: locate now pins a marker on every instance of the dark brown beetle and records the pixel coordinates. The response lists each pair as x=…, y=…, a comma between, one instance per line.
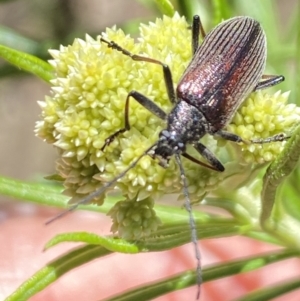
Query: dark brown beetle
x=224, y=70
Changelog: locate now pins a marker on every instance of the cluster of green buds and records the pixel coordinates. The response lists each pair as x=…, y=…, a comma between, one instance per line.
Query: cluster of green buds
x=86, y=105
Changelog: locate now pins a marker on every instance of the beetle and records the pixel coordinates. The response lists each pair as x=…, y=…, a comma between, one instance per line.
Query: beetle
x=224, y=70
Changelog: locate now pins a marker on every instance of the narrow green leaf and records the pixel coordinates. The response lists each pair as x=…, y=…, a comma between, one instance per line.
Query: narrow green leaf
x=271, y=292
x=27, y=62
x=165, y=7
x=55, y=269
x=297, y=60
x=85, y=254
x=277, y=173
x=51, y=195
x=41, y=193
x=188, y=278
x=221, y=11
x=190, y=8
x=109, y=243
x=13, y=39
x=35, y=192
x=54, y=177
x=167, y=237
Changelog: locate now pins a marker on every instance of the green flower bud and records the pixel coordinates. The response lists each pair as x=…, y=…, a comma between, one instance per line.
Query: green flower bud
x=134, y=219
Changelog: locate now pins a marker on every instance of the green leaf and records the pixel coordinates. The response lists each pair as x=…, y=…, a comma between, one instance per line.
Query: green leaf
x=188, y=278
x=109, y=243
x=13, y=39
x=207, y=226
x=190, y=8
x=51, y=195
x=277, y=173
x=54, y=177
x=27, y=62
x=297, y=59
x=39, y=193
x=221, y=11
x=167, y=237
x=271, y=292
x=85, y=254
x=165, y=7
x=55, y=269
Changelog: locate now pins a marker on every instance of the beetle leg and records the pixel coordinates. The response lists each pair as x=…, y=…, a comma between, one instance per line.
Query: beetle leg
x=197, y=28
x=191, y=158
x=275, y=138
x=209, y=156
x=269, y=81
x=229, y=136
x=235, y=138
x=146, y=103
x=166, y=70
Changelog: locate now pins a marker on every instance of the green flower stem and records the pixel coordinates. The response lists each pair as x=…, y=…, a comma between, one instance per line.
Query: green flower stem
x=187, y=279
x=55, y=269
x=27, y=62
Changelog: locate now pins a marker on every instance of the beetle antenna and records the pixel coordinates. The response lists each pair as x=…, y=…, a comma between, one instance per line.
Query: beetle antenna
x=188, y=208
x=102, y=189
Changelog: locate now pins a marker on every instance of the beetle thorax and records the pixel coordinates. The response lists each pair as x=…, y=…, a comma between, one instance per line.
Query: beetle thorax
x=185, y=124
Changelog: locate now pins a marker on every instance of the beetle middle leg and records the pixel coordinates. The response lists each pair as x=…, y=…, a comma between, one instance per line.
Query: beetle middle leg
x=236, y=138
x=215, y=164
x=267, y=81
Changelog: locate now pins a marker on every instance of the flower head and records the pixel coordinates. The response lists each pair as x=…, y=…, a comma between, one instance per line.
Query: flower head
x=87, y=102
x=264, y=115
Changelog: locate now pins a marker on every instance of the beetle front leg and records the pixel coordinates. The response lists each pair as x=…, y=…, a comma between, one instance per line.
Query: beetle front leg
x=146, y=103
x=209, y=156
x=166, y=70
